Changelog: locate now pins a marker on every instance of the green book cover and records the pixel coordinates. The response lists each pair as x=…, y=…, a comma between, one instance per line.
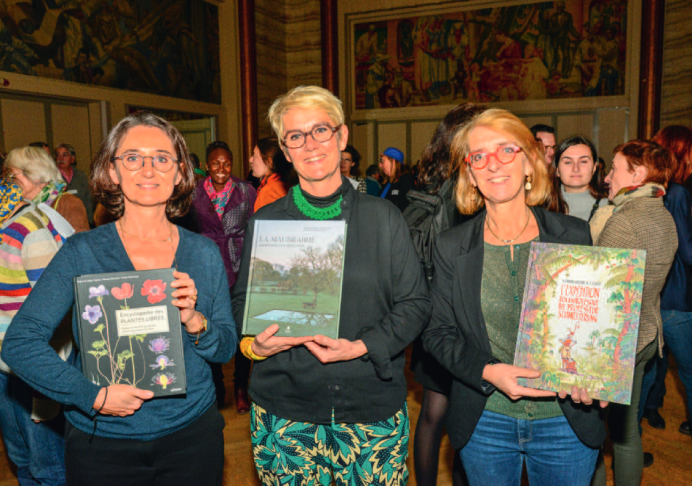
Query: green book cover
x=580, y=319
x=130, y=332
x=296, y=275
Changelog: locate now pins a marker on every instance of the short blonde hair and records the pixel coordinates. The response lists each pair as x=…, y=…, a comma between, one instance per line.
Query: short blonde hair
x=35, y=164
x=468, y=198
x=306, y=97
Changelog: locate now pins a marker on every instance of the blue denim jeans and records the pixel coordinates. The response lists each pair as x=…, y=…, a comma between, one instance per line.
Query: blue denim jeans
x=38, y=450
x=554, y=455
x=677, y=334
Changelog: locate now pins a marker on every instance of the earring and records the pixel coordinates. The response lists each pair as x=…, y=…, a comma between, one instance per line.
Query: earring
x=528, y=186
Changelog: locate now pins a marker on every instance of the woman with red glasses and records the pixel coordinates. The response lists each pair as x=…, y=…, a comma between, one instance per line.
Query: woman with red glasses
x=477, y=293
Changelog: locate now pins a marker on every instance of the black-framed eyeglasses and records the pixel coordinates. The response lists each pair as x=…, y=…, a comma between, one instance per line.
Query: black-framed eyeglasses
x=504, y=154
x=295, y=139
x=133, y=162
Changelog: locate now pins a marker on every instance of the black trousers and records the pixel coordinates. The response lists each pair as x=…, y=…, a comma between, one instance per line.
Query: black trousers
x=193, y=455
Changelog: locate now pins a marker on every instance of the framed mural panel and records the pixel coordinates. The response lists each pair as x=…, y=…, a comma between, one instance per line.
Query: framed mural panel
x=162, y=47
x=491, y=54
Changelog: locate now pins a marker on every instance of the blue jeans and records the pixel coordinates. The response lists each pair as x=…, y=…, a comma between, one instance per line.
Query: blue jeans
x=554, y=455
x=38, y=450
x=677, y=334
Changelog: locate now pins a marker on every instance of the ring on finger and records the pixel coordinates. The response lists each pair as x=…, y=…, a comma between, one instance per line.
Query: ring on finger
x=193, y=297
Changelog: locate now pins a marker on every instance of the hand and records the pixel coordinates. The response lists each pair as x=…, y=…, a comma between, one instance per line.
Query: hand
x=504, y=377
x=328, y=350
x=121, y=400
x=186, y=296
x=581, y=395
x=266, y=344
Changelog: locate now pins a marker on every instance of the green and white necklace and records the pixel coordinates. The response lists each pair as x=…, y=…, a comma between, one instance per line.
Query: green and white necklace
x=311, y=211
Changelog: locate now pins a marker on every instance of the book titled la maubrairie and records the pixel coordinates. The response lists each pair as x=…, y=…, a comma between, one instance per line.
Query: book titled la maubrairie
x=295, y=280
x=580, y=319
x=130, y=332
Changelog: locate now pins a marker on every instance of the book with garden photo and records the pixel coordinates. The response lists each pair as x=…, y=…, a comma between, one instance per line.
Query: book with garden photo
x=580, y=319
x=130, y=332
x=296, y=273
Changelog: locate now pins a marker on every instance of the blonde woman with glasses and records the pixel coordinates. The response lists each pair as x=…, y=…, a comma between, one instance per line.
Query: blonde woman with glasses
x=477, y=293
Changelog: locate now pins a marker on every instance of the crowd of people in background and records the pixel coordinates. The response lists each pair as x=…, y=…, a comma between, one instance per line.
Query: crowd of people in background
x=340, y=403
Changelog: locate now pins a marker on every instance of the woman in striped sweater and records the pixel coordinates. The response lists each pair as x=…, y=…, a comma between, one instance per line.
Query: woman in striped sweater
x=28, y=243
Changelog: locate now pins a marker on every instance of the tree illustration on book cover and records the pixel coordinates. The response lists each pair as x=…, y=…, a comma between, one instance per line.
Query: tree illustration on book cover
x=295, y=277
x=580, y=319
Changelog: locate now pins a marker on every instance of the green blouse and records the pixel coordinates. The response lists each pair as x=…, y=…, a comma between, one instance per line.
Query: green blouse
x=502, y=293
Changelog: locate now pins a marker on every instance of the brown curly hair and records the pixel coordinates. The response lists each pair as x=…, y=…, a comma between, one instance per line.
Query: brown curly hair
x=110, y=194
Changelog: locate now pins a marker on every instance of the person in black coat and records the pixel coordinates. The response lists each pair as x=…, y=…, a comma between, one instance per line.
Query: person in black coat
x=397, y=182
x=480, y=270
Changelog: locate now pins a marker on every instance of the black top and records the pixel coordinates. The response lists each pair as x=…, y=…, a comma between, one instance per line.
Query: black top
x=398, y=190
x=384, y=302
x=457, y=335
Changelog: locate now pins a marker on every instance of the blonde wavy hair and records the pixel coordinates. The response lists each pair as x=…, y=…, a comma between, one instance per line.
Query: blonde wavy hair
x=468, y=198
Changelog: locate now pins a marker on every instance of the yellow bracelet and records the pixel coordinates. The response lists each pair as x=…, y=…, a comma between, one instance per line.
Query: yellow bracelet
x=246, y=349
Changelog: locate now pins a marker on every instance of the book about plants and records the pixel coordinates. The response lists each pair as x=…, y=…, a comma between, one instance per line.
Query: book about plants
x=580, y=319
x=296, y=274
x=130, y=332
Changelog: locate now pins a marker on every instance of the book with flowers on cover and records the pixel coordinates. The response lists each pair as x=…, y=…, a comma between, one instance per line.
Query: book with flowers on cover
x=130, y=332
x=580, y=319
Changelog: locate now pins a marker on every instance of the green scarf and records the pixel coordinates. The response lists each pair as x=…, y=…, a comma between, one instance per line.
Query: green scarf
x=49, y=193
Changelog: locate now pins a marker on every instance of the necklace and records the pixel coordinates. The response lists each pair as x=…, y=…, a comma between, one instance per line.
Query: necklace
x=170, y=238
x=311, y=211
x=507, y=242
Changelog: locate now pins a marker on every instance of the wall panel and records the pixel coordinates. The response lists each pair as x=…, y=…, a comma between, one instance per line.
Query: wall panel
x=421, y=133
x=568, y=125
x=70, y=124
x=23, y=122
x=612, y=131
x=392, y=135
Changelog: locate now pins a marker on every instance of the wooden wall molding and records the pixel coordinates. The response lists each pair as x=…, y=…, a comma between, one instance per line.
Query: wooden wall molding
x=248, y=79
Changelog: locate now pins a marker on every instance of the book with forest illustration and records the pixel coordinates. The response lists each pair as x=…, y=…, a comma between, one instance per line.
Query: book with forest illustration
x=580, y=319
x=130, y=332
x=296, y=273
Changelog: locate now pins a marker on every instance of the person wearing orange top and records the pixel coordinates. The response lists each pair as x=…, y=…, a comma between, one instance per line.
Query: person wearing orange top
x=270, y=166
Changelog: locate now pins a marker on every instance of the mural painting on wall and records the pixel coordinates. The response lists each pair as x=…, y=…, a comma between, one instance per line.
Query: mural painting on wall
x=164, y=47
x=542, y=50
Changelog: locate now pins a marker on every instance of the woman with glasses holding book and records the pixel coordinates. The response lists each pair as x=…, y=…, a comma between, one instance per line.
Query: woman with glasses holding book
x=116, y=434
x=477, y=293
x=341, y=403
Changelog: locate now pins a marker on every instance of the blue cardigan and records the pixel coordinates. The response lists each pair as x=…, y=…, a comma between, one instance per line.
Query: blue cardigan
x=676, y=293
x=28, y=354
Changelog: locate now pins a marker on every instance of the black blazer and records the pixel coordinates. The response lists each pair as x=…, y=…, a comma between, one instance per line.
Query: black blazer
x=457, y=336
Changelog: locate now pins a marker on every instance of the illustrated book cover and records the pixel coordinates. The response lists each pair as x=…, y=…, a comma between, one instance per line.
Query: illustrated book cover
x=130, y=332
x=580, y=319
x=295, y=280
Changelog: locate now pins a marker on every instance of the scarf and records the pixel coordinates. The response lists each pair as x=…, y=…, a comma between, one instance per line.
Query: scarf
x=52, y=191
x=10, y=197
x=624, y=195
x=219, y=199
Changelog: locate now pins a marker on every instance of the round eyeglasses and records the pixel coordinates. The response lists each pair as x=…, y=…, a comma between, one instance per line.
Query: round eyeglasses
x=504, y=154
x=295, y=139
x=133, y=162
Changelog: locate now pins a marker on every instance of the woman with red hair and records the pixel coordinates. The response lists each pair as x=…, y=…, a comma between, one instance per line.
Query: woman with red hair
x=638, y=179
x=676, y=297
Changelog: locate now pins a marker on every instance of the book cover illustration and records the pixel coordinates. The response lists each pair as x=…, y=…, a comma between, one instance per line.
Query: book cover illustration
x=130, y=332
x=296, y=272
x=580, y=319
